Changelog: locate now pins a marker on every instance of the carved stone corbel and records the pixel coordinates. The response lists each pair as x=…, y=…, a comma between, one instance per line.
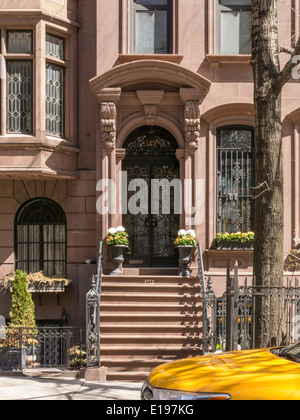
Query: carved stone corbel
x=150, y=114
x=192, y=125
x=108, y=124
x=108, y=99
x=150, y=101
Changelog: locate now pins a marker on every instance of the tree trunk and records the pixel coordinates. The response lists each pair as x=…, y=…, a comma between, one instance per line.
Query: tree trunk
x=269, y=208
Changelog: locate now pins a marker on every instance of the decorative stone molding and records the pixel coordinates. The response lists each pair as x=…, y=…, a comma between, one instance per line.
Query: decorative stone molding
x=192, y=125
x=150, y=113
x=108, y=124
x=150, y=100
x=108, y=99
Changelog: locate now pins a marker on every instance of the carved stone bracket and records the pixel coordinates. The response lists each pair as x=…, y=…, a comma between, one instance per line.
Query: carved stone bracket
x=192, y=125
x=108, y=124
x=192, y=117
x=108, y=99
x=150, y=101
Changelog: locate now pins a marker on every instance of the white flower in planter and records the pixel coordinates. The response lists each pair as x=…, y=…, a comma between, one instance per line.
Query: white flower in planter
x=191, y=232
x=112, y=231
x=120, y=229
x=296, y=241
x=182, y=232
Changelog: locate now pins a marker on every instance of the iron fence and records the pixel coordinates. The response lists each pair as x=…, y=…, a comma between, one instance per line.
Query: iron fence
x=24, y=348
x=231, y=322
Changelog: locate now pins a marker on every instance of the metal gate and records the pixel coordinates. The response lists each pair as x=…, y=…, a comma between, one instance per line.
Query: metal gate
x=230, y=322
x=22, y=348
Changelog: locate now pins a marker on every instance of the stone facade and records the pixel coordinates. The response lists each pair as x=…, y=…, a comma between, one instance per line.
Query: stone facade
x=109, y=92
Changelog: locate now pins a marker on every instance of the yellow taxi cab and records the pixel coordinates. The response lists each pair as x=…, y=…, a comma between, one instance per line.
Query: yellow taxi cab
x=268, y=374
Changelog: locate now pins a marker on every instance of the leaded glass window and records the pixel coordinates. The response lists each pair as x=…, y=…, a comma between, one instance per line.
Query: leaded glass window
x=54, y=100
x=19, y=42
x=40, y=238
x=55, y=46
x=235, y=179
x=19, y=96
x=234, y=26
x=151, y=27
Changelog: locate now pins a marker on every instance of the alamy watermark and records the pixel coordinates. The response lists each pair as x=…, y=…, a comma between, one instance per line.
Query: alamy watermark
x=167, y=197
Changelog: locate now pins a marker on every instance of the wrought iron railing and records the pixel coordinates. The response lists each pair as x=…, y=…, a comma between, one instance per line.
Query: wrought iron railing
x=278, y=327
x=232, y=321
x=93, y=333
x=24, y=348
x=209, y=305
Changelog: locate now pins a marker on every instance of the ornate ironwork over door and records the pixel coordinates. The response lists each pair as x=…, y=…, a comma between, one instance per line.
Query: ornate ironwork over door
x=151, y=158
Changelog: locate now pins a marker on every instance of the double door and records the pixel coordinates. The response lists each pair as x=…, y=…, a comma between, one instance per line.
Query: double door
x=153, y=229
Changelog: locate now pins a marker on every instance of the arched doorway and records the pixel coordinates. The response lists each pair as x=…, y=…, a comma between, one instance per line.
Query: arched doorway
x=153, y=197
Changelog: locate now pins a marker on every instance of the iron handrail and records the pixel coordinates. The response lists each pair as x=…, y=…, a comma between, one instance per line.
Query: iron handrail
x=100, y=269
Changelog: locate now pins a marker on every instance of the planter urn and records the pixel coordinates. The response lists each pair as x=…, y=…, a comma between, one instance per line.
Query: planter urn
x=185, y=259
x=117, y=252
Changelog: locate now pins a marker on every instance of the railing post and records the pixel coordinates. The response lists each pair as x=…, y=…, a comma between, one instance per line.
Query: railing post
x=229, y=305
x=235, y=337
x=232, y=309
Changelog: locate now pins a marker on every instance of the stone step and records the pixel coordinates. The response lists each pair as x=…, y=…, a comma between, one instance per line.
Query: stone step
x=149, y=328
x=140, y=307
x=125, y=298
x=140, y=339
x=147, y=321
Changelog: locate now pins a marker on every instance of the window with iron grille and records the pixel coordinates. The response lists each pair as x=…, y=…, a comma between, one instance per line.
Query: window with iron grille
x=235, y=179
x=234, y=21
x=152, y=27
x=40, y=238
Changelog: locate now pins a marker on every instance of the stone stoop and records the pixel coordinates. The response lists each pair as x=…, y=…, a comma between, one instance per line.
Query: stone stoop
x=147, y=321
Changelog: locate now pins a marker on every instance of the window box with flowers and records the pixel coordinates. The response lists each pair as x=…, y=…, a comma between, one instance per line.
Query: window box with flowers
x=235, y=241
x=39, y=283
x=118, y=242
x=185, y=242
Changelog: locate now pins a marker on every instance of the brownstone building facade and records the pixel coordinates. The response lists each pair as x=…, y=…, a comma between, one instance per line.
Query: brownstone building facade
x=162, y=89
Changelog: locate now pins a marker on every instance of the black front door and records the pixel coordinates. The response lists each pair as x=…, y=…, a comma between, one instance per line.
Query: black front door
x=152, y=230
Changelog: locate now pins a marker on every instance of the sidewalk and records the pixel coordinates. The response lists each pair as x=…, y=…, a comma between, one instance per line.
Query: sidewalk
x=54, y=386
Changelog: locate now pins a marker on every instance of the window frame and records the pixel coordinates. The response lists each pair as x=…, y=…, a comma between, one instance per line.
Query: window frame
x=219, y=214
x=168, y=8
x=22, y=57
x=41, y=241
x=62, y=64
x=219, y=9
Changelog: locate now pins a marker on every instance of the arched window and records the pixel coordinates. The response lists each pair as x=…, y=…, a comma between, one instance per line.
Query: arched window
x=235, y=179
x=40, y=237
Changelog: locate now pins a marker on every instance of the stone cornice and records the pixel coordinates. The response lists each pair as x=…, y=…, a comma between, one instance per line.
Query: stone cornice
x=17, y=14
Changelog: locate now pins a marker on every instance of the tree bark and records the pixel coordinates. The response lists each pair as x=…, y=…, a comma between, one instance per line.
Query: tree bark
x=269, y=205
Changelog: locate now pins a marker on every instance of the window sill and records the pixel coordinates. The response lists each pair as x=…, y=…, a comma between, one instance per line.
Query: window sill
x=171, y=58
x=216, y=59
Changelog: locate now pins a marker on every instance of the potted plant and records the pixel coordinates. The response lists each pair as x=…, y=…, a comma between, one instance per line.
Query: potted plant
x=234, y=241
x=185, y=242
x=117, y=240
